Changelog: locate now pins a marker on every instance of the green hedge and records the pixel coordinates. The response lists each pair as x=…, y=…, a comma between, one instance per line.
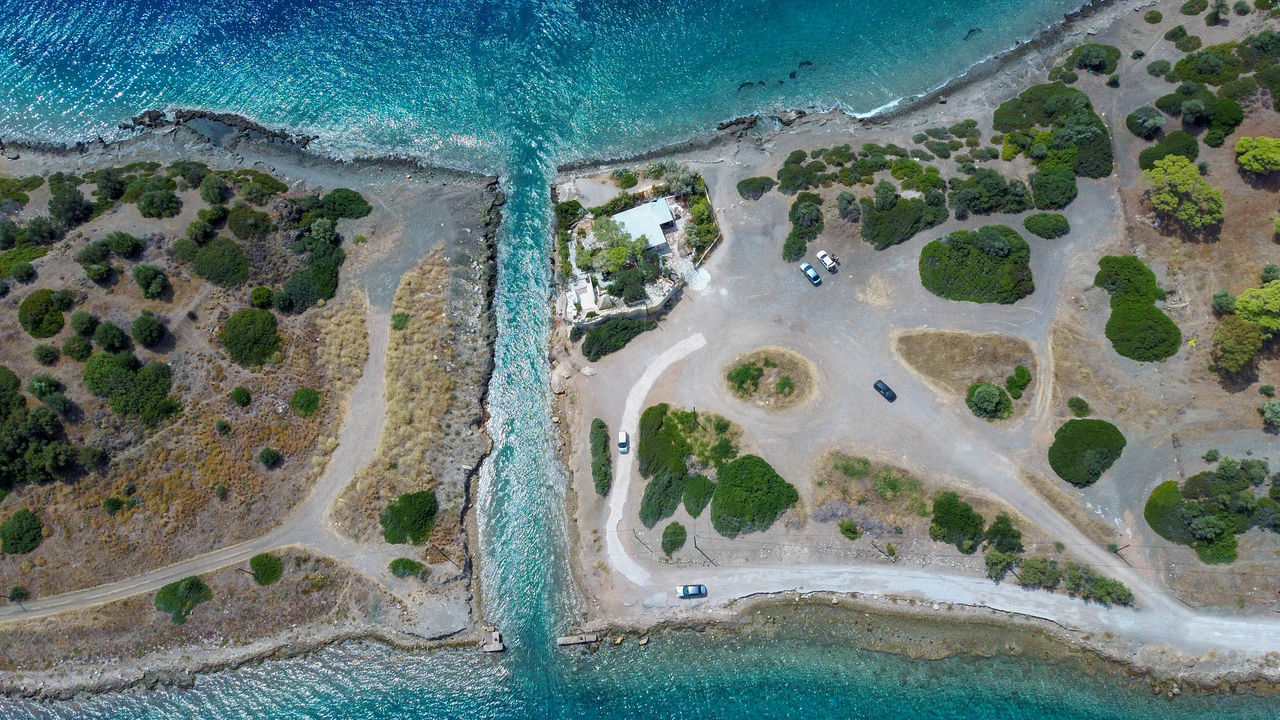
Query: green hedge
x=1163, y=512
x=1053, y=188
x=1083, y=449
x=21, y=533
x=698, y=490
x=989, y=265
x=404, y=567
x=985, y=192
x=1047, y=225
x=749, y=496
x=601, y=459
x=1137, y=329
x=1017, y=383
x=221, y=261
x=662, y=496
x=409, y=518
x=898, y=219
x=612, y=335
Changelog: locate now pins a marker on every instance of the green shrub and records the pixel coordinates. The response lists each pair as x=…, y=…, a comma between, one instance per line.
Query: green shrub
x=112, y=505
x=250, y=337
x=1080, y=139
x=266, y=568
x=178, y=599
x=159, y=204
x=131, y=389
x=338, y=204
x=404, y=567
x=1215, y=65
x=1053, y=188
x=849, y=529
x=1017, y=383
x=955, y=522
x=673, y=538
x=1188, y=44
x=305, y=401
x=83, y=323
x=1268, y=390
x=990, y=264
x=985, y=192
x=698, y=490
x=1137, y=329
x=409, y=518
x=1153, y=17
x=260, y=297
x=21, y=533
x=1157, y=68
x=745, y=378
x=894, y=219
x=754, y=188
x=848, y=208
x=151, y=280
x=1078, y=407
x=77, y=348
x=67, y=206
x=1003, y=536
x=269, y=457
x=612, y=335
x=222, y=262
x=1146, y=122
x=45, y=354
x=601, y=458
x=214, y=190
x=1094, y=57
x=749, y=496
x=147, y=330
x=662, y=496
x=1194, y=7
x=1047, y=225
x=222, y=427
x=40, y=314
x=1083, y=449
x=246, y=223
x=988, y=401
x=999, y=563
x=240, y=396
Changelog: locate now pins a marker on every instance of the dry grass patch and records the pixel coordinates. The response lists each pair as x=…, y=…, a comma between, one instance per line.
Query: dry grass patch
x=419, y=392
x=950, y=361
x=773, y=378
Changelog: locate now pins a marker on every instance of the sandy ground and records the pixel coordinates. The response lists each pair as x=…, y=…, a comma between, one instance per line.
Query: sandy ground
x=846, y=329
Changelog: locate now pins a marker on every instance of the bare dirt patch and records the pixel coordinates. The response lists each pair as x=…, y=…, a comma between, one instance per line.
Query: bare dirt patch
x=785, y=378
x=950, y=361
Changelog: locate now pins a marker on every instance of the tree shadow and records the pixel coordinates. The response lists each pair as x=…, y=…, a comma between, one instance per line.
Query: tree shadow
x=1269, y=181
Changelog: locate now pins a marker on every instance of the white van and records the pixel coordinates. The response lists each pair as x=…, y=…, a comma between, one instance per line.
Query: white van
x=624, y=442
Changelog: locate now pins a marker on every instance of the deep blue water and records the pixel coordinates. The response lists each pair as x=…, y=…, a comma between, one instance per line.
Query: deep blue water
x=517, y=88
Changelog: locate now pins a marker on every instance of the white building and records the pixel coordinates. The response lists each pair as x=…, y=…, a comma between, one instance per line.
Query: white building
x=651, y=221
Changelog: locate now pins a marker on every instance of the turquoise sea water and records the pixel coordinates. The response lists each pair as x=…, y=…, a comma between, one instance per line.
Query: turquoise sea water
x=516, y=88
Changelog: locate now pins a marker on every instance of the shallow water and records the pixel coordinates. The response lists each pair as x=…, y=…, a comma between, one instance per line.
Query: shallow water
x=517, y=88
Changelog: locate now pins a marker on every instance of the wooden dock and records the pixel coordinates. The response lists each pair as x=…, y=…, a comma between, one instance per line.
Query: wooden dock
x=578, y=639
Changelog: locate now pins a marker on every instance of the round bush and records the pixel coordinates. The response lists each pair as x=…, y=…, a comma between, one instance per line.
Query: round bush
x=250, y=336
x=23, y=271
x=753, y=188
x=1146, y=122
x=749, y=497
x=260, y=297
x=77, y=348
x=1083, y=449
x=1178, y=142
x=266, y=567
x=988, y=401
x=83, y=323
x=410, y=518
x=1047, y=225
x=46, y=354
x=1153, y=17
x=305, y=401
x=21, y=533
x=1053, y=188
x=158, y=204
x=240, y=396
x=1078, y=407
x=147, y=330
x=109, y=337
x=269, y=457
x=221, y=261
x=1157, y=68
x=673, y=538
x=39, y=314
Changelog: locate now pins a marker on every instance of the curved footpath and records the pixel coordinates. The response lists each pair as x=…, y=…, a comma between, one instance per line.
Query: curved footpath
x=309, y=526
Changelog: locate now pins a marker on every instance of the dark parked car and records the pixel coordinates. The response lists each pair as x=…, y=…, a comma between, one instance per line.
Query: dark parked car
x=886, y=391
x=810, y=273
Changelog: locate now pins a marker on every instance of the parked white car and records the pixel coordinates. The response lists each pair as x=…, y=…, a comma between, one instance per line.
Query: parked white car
x=827, y=261
x=624, y=442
